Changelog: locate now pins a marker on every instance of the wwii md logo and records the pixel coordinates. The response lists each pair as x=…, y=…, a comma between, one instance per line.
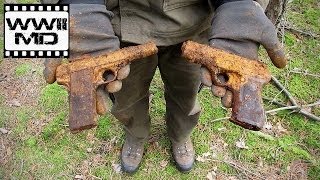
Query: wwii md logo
x=36, y=31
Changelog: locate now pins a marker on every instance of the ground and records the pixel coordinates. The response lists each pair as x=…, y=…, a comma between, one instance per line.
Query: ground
x=38, y=144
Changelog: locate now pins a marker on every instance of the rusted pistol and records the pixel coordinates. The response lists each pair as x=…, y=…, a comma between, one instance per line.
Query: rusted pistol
x=83, y=76
x=244, y=78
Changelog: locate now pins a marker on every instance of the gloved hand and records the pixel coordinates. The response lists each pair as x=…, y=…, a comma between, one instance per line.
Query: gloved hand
x=90, y=33
x=240, y=27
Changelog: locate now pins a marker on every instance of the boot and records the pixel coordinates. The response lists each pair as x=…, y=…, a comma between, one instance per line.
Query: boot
x=131, y=154
x=183, y=154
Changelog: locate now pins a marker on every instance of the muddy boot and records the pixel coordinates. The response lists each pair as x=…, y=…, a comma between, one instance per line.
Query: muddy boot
x=183, y=154
x=131, y=154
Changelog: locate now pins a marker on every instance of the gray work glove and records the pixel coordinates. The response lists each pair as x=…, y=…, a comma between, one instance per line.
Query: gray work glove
x=240, y=27
x=90, y=33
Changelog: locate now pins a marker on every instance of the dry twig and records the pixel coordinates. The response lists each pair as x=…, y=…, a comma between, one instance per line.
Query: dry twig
x=305, y=73
x=293, y=101
x=278, y=84
x=273, y=101
x=243, y=170
x=298, y=31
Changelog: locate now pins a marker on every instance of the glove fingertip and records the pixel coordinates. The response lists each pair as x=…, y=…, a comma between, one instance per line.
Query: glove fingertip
x=49, y=76
x=218, y=91
x=123, y=72
x=278, y=58
x=226, y=100
x=206, y=77
x=114, y=86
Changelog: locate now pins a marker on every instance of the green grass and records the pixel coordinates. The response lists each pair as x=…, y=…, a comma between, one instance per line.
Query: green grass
x=1, y=12
x=54, y=153
x=1, y=46
x=28, y=1
x=53, y=98
x=23, y=69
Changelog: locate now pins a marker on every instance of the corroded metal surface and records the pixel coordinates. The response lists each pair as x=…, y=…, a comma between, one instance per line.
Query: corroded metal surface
x=110, y=62
x=83, y=76
x=245, y=79
x=82, y=101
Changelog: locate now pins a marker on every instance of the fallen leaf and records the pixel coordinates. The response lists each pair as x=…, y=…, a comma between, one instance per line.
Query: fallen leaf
x=116, y=167
x=232, y=178
x=280, y=128
x=267, y=126
x=260, y=162
x=215, y=168
x=207, y=154
x=90, y=137
x=14, y=102
x=241, y=144
x=114, y=140
x=201, y=159
x=4, y=131
x=3, y=77
x=164, y=163
x=308, y=109
x=273, y=113
x=150, y=97
x=78, y=177
x=9, y=152
x=98, y=159
x=211, y=175
x=214, y=155
x=89, y=150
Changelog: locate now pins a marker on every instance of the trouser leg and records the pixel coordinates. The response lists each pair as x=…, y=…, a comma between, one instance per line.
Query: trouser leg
x=131, y=103
x=182, y=80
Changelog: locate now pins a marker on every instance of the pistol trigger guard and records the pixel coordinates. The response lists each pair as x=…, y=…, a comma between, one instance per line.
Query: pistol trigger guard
x=104, y=79
x=216, y=80
x=115, y=74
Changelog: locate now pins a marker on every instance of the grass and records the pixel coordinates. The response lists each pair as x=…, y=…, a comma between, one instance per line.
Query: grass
x=27, y=1
x=1, y=47
x=48, y=150
x=53, y=98
x=22, y=69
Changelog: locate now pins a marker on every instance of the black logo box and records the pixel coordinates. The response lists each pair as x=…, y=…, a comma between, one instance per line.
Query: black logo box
x=32, y=8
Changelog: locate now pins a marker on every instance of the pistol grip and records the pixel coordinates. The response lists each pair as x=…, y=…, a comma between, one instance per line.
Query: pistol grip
x=247, y=106
x=82, y=101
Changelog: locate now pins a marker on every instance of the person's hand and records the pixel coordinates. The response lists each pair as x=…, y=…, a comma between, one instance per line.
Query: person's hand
x=240, y=27
x=91, y=34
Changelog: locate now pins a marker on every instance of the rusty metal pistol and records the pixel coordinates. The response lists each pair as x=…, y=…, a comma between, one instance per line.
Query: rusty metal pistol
x=244, y=78
x=83, y=76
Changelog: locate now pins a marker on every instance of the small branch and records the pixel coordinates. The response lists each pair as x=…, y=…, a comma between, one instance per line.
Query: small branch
x=306, y=73
x=240, y=168
x=220, y=119
x=294, y=30
x=95, y=177
x=299, y=108
x=310, y=115
x=278, y=84
x=312, y=104
x=293, y=101
x=274, y=102
x=281, y=109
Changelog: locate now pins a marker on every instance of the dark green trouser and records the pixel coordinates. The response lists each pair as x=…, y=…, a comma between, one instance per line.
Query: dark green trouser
x=181, y=79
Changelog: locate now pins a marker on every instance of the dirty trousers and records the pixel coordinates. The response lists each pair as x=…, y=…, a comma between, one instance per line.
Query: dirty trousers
x=181, y=82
